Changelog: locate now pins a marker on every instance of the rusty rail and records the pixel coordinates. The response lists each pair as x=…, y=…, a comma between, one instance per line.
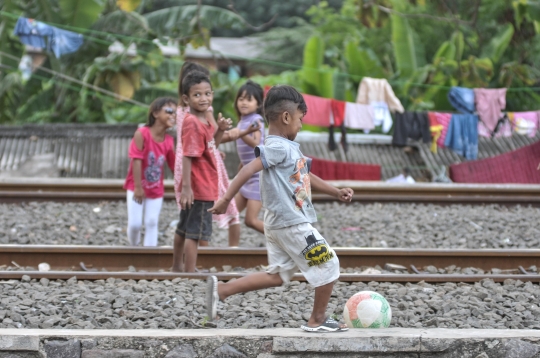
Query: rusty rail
x=92, y=276
x=119, y=258
x=63, y=189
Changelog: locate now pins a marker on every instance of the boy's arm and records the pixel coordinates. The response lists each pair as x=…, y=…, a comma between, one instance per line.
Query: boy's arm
x=243, y=176
x=222, y=125
x=186, y=197
x=318, y=184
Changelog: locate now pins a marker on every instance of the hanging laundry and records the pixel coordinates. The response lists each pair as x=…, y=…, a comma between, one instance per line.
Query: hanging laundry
x=489, y=104
x=525, y=123
x=319, y=110
x=462, y=99
x=337, y=118
x=40, y=35
x=444, y=120
x=373, y=90
x=414, y=125
x=503, y=128
x=436, y=131
x=331, y=170
x=338, y=112
x=462, y=135
x=358, y=116
x=378, y=93
x=381, y=116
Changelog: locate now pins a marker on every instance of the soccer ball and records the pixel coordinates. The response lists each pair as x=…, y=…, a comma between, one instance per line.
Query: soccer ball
x=367, y=309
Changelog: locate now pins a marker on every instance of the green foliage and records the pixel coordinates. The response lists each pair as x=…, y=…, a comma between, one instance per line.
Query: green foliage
x=320, y=47
x=81, y=13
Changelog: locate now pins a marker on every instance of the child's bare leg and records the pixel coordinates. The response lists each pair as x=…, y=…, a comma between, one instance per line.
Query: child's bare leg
x=204, y=243
x=255, y=281
x=178, y=253
x=190, y=248
x=322, y=297
x=234, y=235
x=240, y=201
x=252, y=216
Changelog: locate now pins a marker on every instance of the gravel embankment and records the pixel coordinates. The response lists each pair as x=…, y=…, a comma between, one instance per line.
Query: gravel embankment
x=118, y=304
x=373, y=225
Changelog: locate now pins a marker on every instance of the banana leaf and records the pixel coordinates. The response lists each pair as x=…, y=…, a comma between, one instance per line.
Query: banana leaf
x=362, y=62
x=81, y=13
x=405, y=47
x=499, y=43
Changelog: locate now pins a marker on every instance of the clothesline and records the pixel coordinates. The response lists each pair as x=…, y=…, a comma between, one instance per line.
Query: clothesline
x=83, y=31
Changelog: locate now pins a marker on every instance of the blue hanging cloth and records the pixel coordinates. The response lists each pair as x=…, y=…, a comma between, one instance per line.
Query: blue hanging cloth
x=40, y=35
x=462, y=99
x=462, y=135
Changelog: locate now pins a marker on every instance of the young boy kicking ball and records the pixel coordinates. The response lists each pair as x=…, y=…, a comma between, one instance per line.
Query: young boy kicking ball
x=292, y=242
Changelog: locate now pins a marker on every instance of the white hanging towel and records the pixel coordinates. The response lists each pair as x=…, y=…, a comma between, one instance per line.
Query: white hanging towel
x=381, y=116
x=358, y=116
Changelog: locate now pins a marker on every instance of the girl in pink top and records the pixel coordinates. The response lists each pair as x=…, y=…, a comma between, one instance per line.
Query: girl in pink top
x=148, y=151
x=231, y=218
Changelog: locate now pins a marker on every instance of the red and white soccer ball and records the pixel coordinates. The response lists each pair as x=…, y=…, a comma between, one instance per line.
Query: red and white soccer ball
x=367, y=309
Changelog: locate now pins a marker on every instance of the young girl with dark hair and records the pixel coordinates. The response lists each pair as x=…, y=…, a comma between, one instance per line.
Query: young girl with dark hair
x=148, y=151
x=248, y=105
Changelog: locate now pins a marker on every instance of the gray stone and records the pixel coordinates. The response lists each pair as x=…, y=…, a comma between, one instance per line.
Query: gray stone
x=87, y=344
x=226, y=351
x=63, y=349
x=182, y=351
x=20, y=355
x=514, y=348
x=367, y=343
x=19, y=343
x=113, y=353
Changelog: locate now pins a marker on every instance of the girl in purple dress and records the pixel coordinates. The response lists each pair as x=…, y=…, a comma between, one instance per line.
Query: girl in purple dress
x=248, y=105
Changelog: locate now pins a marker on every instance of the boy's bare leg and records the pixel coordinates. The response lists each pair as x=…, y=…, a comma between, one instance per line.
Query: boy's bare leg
x=322, y=297
x=234, y=235
x=255, y=281
x=190, y=248
x=178, y=253
x=204, y=243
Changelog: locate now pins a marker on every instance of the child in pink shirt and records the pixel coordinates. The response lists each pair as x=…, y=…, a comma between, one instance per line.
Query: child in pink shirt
x=148, y=151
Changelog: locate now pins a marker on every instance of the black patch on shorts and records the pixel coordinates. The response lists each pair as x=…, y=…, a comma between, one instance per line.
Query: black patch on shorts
x=196, y=222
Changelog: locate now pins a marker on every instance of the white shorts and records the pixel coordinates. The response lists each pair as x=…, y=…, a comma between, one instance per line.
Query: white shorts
x=301, y=247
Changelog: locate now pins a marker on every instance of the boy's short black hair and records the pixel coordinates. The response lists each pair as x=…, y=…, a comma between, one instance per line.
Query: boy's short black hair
x=188, y=67
x=252, y=90
x=280, y=99
x=194, y=78
x=156, y=106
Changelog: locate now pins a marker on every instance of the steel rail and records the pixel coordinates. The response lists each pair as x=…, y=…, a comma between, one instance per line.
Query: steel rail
x=66, y=189
x=119, y=258
x=396, y=278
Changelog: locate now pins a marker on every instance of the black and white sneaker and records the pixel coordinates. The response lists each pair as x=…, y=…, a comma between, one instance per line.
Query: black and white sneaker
x=330, y=325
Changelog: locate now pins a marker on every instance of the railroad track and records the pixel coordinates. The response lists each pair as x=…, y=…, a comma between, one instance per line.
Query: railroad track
x=63, y=189
x=154, y=263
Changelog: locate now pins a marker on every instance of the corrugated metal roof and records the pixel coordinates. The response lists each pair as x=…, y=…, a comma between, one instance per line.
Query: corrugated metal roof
x=100, y=150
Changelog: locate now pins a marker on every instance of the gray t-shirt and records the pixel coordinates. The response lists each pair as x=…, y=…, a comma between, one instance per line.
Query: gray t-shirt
x=285, y=183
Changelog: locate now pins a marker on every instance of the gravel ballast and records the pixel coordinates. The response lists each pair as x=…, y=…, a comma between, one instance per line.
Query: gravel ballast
x=118, y=304
x=343, y=225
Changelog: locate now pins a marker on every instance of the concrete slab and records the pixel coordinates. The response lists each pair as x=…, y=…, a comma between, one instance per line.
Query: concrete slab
x=268, y=343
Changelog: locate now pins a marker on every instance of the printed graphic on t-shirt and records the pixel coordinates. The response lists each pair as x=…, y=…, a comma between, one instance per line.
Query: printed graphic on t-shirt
x=300, y=179
x=316, y=252
x=152, y=173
